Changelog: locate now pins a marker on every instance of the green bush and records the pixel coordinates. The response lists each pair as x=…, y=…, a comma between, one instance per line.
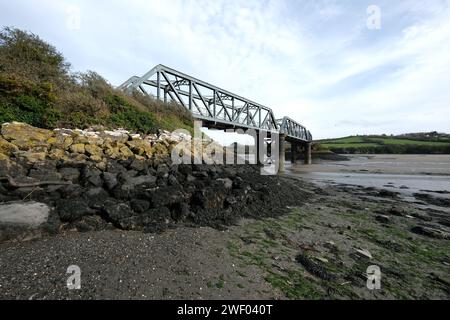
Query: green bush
x=26, y=55
x=36, y=87
x=24, y=101
x=130, y=118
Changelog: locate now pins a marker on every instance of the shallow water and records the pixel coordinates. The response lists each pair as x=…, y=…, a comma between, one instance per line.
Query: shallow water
x=406, y=184
x=407, y=174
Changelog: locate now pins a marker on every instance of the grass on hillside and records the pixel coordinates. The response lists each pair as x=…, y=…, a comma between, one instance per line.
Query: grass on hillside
x=37, y=87
x=385, y=144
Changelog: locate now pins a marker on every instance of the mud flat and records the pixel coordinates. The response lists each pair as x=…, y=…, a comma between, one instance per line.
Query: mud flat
x=239, y=236
x=317, y=250
x=383, y=164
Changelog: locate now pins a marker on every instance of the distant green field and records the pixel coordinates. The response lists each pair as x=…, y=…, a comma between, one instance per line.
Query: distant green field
x=407, y=141
x=346, y=140
x=349, y=145
x=384, y=144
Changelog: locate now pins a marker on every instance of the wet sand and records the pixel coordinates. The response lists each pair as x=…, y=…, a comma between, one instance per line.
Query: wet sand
x=406, y=174
x=382, y=164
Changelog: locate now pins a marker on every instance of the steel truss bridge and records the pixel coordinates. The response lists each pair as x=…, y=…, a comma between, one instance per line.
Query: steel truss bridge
x=214, y=106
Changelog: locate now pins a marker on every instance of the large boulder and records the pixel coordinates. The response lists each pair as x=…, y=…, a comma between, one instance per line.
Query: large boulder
x=87, y=137
x=140, y=147
x=94, y=150
x=21, y=221
x=119, y=135
x=32, y=157
x=5, y=164
x=160, y=150
x=58, y=154
x=45, y=173
x=7, y=148
x=61, y=141
x=126, y=152
x=113, y=152
x=134, y=186
x=70, y=210
x=26, y=137
x=78, y=148
x=8, y=167
x=69, y=174
x=92, y=176
x=118, y=213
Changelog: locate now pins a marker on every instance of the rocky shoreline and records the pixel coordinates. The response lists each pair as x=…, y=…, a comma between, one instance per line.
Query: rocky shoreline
x=142, y=227
x=320, y=249
x=101, y=180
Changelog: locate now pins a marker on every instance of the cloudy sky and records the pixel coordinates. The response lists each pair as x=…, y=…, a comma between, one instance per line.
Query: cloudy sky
x=314, y=60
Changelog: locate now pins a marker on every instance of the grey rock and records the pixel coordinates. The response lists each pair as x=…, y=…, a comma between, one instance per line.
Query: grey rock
x=110, y=180
x=180, y=211
x=44, y=175
x=227, y=183
x=22, y=221
x=71, y=191
x=92, y=176
x=118, y=211
x=147, y=180
x=138, y=165
x=69, y=174
x=139, y=206
x=190, y=178
x=162, y=171
x=115, y=167
x=70, y=210
x=383, y=219
x=30, y=214
x=430, y=232
x=172, y=180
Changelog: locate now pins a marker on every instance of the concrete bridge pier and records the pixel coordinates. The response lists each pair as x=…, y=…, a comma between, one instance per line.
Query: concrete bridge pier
x=294, y=152
x=282, y=154
x=294, y=147
x=308, y=157
x=256, y=149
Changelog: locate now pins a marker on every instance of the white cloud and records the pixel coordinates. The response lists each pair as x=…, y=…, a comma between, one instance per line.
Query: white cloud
x=312, y=60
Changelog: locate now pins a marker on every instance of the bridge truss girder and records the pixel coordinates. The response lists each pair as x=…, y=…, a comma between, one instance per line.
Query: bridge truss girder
x=205, y=101
x=293, y=130
x=212, y=104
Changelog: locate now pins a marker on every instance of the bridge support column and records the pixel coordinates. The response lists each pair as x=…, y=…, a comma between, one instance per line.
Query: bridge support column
x=293, y=152
x=308, y=158
x=282, y=154
x=256, y=149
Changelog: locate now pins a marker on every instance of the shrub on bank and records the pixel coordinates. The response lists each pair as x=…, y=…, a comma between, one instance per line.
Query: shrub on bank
x=37, y=87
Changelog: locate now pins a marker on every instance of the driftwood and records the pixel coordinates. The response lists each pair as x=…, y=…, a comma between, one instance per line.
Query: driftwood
x=16, y=184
